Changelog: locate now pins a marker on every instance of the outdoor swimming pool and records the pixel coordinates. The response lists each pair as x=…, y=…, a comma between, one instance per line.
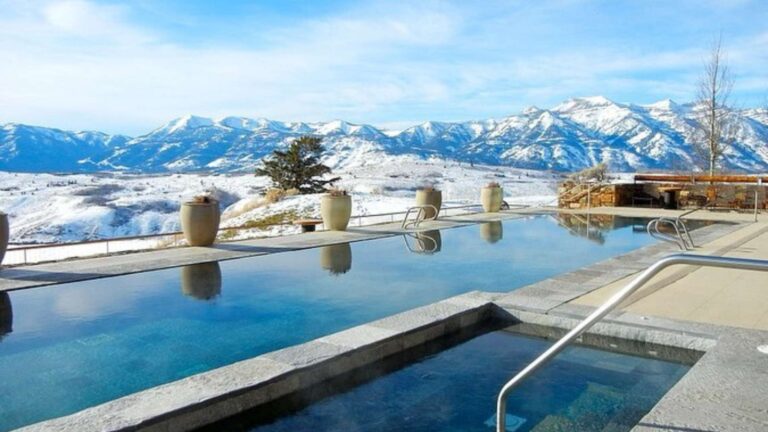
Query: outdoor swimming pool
x=583, y=389
x=67, y=347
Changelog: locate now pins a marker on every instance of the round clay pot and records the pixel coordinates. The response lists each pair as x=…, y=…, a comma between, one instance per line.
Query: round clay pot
x=428, y=242
x=4, y=234
x=491, y=198
x=492, y=231
x=336, y=211
x=200, y=222
x=430, y=196
x=201, y=281
x=336, y=258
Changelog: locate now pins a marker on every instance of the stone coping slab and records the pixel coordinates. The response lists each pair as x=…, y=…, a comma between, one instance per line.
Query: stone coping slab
x=31, y=276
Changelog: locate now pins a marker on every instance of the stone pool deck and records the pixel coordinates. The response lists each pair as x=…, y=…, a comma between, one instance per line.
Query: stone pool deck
x=726, y=389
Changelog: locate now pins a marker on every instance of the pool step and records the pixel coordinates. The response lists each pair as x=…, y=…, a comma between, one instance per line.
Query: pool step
x=596, y=405
x=553, y=423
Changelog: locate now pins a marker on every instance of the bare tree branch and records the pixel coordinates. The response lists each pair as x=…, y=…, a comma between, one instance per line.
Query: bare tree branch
x=715, y=129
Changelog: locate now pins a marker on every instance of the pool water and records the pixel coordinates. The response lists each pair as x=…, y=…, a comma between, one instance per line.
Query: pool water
x=67, y=347
x=581, y=390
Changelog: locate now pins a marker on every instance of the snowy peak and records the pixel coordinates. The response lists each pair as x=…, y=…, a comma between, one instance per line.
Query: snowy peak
x=426, y=130
x=577, y=133
x=238, y=123
x=340, y=127
x=666, y=107
x=335, y=127
x=531, y=110
x=582, y=103
x=186, y=122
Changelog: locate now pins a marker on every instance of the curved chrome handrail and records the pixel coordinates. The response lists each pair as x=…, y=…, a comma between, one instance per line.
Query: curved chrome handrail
x=420, y=215
x=684, y=242
x=683, y=228
x=653, y=231
x=608, y=306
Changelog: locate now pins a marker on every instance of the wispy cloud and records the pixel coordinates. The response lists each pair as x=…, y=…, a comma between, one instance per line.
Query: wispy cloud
x=87, y=64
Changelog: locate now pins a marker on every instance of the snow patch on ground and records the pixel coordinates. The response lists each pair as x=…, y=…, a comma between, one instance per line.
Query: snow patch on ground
x=45, y=208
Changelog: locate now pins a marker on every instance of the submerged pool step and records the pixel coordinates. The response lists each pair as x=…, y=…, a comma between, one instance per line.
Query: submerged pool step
x=593, y=410
x=555, y=423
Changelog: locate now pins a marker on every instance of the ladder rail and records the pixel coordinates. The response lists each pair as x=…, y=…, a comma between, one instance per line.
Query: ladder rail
x=683, y=228
x=684, y=238
x=653, y=231
x=420, y=215
x=610, y=305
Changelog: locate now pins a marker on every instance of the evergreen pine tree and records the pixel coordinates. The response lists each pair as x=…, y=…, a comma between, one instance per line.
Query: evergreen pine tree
x=298, y=167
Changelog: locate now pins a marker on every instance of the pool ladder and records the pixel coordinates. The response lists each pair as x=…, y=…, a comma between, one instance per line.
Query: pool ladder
x=682, y=237
x=421, y=215
x=610, y=305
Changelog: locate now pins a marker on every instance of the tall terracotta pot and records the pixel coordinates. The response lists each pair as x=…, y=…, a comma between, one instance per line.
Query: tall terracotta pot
x=432, y=197
x=4, y=234
x=491, y=198
x=200, y=222
x=336, y=210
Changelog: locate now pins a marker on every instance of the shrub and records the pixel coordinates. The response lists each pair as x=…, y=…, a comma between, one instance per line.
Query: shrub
x=298, y=167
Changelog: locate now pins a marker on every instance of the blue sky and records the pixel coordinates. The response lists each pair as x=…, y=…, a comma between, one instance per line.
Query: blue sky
x=130, y=66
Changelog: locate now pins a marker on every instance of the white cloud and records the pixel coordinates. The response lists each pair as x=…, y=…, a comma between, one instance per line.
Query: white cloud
x=82, y=64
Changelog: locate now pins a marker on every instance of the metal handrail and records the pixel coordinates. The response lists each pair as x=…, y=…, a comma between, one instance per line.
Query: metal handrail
x=684, y=242
x=683, y=228
x=679, y=220
x=653, y=231
x=421, y=215
x=608, y=306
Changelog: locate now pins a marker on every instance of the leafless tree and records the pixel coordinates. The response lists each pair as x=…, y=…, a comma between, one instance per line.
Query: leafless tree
x=715, y=131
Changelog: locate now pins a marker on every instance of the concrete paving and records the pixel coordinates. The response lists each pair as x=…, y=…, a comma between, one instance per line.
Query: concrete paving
x=709, y=295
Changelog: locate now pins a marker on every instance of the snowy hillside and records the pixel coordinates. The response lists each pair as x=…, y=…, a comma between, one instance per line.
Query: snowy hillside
x=575, y=134
x=52, y=208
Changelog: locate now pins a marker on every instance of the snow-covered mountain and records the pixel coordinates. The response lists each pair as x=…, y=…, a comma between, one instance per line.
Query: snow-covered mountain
x=575, y=134
x=39, y=149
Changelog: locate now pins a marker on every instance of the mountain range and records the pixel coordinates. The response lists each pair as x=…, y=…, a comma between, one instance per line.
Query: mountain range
x=572, y=135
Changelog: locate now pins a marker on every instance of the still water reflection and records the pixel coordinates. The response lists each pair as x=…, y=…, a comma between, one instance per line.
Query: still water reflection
x=492, y=232
x=424, y=242
x=6, y=315
x=337, y=258
x=201, y=281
